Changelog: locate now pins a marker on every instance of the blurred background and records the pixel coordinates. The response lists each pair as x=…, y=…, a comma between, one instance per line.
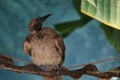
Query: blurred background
x=83, y=44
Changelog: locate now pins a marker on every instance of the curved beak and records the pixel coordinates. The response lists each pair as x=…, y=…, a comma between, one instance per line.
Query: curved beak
x=42, y=19
x=37, y=23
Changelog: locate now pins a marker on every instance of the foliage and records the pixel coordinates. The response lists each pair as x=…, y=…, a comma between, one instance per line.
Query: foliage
x=106, y=11
x=67, y=27
x=101, y=10
x=113, y=35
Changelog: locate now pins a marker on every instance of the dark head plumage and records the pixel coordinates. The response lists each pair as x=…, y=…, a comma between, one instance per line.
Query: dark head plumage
x=37, y=23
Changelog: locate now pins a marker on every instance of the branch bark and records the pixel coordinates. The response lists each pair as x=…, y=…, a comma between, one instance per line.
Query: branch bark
x=90, y=69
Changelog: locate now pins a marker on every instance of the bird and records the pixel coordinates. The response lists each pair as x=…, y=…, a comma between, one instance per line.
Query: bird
x=45, y=46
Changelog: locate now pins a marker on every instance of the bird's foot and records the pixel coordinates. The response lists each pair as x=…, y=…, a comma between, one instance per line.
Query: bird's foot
x=48, y=68
x=44, y=68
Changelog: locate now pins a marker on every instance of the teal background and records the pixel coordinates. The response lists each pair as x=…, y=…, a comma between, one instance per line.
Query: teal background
x=83, y=45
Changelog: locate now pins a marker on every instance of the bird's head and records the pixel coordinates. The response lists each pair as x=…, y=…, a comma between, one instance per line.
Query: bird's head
x=35, y=24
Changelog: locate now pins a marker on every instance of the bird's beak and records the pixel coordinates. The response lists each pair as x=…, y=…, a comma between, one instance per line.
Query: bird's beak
x=42, y=19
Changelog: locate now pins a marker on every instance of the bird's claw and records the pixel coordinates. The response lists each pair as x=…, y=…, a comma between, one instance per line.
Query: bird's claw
x=44, y=68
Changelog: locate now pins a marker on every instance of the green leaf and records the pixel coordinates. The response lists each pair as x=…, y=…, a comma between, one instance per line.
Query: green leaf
x=113, y=35
x=92, y=2
x=106, y=11
x=67, y=27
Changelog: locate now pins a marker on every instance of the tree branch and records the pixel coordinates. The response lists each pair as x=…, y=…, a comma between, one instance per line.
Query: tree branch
x=90, y=69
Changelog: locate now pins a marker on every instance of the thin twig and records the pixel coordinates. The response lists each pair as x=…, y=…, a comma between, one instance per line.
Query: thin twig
x=90, y=69
x=96, y=62
x=72, y=67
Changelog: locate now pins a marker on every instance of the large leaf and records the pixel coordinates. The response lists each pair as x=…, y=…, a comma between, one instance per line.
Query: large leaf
x=113, y=36
x=106, y=11
x=67, y=27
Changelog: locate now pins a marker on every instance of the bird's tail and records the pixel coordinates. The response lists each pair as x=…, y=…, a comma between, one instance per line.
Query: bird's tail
x=53, y=78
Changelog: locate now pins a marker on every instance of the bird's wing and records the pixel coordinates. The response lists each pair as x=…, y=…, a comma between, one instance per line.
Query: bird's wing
x=27, y=47
x=59, y=43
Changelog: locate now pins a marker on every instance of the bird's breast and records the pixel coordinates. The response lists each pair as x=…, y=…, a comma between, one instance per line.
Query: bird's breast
x=44, y=52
